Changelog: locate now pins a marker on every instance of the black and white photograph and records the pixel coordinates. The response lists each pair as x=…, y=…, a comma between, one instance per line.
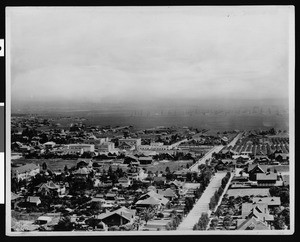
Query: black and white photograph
x=157, y=120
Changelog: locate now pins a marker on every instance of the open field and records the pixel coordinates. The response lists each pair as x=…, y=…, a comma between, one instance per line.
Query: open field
x=173, y=165
x=52, y=164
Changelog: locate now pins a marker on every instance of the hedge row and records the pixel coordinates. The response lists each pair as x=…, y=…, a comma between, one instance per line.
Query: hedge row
x=215, y=198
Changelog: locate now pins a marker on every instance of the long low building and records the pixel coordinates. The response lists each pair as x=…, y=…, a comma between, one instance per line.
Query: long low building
x=79, y=148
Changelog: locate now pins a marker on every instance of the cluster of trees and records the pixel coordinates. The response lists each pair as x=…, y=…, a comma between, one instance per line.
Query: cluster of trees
x=205, y=176
x=189, y=203
x=283, y=193
x=202, y=223
x=175, y=221
x=282, y=219
x=215, y=198
x=214, y=223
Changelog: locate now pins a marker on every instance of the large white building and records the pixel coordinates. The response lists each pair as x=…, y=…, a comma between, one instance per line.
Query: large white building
x=79, y=148
x=155, y=146
x=105, y=147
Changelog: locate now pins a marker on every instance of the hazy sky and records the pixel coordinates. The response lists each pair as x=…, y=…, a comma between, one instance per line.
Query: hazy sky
x=97, y=54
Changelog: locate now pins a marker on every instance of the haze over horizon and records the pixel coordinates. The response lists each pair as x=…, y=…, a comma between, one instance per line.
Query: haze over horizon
x=147, y=54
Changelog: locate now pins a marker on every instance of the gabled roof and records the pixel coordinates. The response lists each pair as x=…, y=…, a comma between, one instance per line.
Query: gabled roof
x=50, y=185
x=149, y=201
x=176, y=183
x=259, y=211
x=251, y=168
x=167, y=193
x=251, y=224
x=82, y=171
x=124, y=212
x=155, y=195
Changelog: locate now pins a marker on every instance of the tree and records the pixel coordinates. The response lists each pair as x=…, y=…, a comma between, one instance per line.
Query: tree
x=66, y=169
x=147, y=215
x=286, y=215
x=44, y=166
x=167, y=170
x=203, y=222
x=14, y=184
x=189, y=203
x=279, y=222
x=64, y=225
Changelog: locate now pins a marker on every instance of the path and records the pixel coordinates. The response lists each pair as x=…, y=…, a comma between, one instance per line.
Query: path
x=236, y=138
x=202, y=205
x=208, y=155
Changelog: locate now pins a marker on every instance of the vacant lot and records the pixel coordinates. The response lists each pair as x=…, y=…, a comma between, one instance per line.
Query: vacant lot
x=173, y=165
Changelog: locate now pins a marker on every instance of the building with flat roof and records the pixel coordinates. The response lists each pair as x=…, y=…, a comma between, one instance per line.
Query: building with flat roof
x=79, y=148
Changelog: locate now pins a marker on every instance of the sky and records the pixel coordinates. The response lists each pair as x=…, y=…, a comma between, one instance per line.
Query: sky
x=115, y=54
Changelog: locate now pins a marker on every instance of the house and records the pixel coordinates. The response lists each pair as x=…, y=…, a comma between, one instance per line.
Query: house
x=253, y=170
x=149, y=202
x=82, y=172
x=82, y=163
x=145, y=160
x=152, y=198
x=259, y=211
x=270, y=201
x=26, y=171
x=33, y=200
x=49, y=145
x=124, y=182
x=167, y=193
x=175, y=185
x=125, y=146
x=282, y=156
x=118, y=217
x=110, y=196
x=181, y=174
x=98, y=198
x=266, y=179
x=48, y=188
x=261, y=159
x=251, y=224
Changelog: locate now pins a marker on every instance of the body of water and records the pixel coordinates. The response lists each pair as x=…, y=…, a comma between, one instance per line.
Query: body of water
x=200, y=121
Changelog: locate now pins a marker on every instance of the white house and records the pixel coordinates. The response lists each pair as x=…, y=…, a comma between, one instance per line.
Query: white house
x=26, y=171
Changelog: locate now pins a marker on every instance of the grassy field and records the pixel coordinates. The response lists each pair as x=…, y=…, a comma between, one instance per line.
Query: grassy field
x=173, y=165
x=52, y=164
